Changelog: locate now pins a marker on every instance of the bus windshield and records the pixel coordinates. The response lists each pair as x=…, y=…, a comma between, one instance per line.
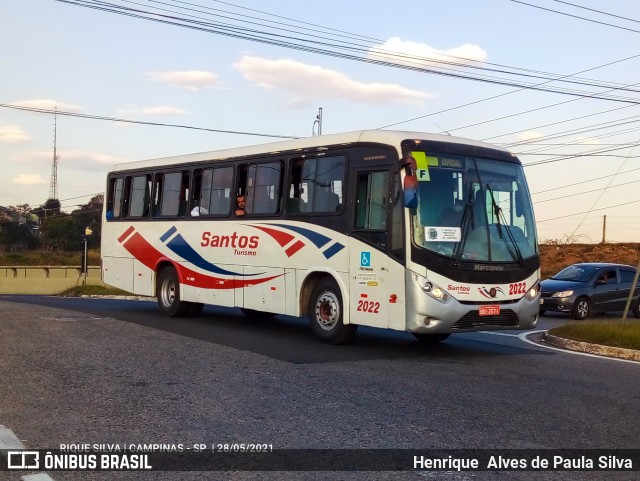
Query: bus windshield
x=473, y=209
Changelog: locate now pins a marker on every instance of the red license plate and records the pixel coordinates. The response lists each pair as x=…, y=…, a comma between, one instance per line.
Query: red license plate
x=489, y=310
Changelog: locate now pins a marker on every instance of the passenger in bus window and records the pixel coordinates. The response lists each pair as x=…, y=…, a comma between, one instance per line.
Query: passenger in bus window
x=197, y=210
x=241, y=203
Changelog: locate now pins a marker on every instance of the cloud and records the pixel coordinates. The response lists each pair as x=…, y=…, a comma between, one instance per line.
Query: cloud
x=87, y=161
x=586, y=140
x=191, y=79
x=48, y=105
x=159, y=110
x=29, y=179
x=78, y=160
x=12, y=134
x=420, y=54
x=529, y=135
x=308, y=82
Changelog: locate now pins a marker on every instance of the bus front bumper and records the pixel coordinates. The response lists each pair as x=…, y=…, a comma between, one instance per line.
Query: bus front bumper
x=430, y=316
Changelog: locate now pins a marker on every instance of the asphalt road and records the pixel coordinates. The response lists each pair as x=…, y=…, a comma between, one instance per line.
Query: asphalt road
x=113, y=371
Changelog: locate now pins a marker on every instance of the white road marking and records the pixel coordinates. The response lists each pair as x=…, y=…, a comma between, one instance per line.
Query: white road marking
x=523, y=337
x=9, y=441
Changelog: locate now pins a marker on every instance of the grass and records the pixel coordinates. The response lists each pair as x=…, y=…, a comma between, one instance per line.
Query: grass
x=93, y=290
x=607, y=332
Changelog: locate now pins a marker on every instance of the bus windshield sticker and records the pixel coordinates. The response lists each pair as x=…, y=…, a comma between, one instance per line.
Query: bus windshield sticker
x=442, y=234
x=451, y=163
x=423, y=161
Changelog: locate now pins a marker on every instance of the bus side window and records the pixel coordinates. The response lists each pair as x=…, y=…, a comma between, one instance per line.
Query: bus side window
x=171, y=194
x=138, y=195
x=295, y=200
x=372, y=191
x=263, y=188
x=221, y=187
x=114, y=199
x=325, y=179
x=215, y=193
x=196, y=189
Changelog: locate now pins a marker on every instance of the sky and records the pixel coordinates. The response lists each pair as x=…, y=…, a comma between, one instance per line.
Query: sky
x=557, y=83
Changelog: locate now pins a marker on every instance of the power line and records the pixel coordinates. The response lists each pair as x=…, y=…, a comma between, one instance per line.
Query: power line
x=586, y=191
x=140, y=122
x=509, y=93
x=588, y=211
x=576, y=16
x=468, y=63
x=598, y=11
x=322, y=48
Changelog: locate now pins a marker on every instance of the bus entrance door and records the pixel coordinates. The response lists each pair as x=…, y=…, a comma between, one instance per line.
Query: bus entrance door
x=369, y=285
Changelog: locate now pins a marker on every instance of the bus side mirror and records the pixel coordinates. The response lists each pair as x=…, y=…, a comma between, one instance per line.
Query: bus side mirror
x=410, y=188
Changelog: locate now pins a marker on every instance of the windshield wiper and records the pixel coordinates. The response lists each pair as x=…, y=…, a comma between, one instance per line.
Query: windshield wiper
x=499, y=214
x=465, y=223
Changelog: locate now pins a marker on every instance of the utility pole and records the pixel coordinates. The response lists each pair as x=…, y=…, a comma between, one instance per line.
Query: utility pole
x=604, y=229
x=318, y=122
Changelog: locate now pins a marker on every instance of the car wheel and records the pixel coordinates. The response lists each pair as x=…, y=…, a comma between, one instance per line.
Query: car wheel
x=326, y=314
x=168, y=293
x=581, y=308
x=430, y=338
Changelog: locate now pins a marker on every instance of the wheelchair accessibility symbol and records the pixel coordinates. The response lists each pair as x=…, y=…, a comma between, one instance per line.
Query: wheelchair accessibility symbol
x=365, y=259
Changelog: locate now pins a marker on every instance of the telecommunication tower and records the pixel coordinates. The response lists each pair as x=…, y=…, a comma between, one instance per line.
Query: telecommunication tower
x=53, y=183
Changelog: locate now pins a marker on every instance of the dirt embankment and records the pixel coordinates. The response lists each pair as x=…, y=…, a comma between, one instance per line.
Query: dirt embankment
x=554, y=257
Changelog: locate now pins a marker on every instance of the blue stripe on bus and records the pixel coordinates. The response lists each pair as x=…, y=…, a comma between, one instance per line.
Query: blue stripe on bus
x=182, y=248
x=168, y=234
x=333, y=250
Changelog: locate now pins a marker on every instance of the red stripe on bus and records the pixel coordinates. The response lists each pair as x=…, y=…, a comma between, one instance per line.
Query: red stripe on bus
x=282, y=238
x=294, y=248
x=125, y=234
x=148, y=255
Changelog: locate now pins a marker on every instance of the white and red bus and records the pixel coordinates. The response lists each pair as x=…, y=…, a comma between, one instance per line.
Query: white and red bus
x=401, y=230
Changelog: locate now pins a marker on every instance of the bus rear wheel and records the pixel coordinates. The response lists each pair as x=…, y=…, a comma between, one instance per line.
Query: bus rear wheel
x=326, y=314
x=430, y=338
x=168, y=293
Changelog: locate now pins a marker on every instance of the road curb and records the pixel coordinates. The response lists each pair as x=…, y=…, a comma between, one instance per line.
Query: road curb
x=125, y=298
x=598, y=349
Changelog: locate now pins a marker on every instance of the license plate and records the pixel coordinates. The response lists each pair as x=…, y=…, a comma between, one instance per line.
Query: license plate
x=489, y=310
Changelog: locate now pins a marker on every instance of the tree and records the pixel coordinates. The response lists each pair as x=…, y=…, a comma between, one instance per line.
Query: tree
x=14, y=235
x=50, y=208
x=62, y=232
x=90, y=215
x=65, y=231
x=23, y=210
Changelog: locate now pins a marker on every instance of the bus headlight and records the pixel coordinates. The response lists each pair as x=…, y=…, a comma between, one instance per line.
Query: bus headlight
x=533, y=292
x=430, y=288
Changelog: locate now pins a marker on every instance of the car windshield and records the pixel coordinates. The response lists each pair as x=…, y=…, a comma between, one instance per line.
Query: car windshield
x=472, y=208
x=577, y=273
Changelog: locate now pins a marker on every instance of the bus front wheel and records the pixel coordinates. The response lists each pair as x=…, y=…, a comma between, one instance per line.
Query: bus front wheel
x=326, y=314
x=168, y=293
